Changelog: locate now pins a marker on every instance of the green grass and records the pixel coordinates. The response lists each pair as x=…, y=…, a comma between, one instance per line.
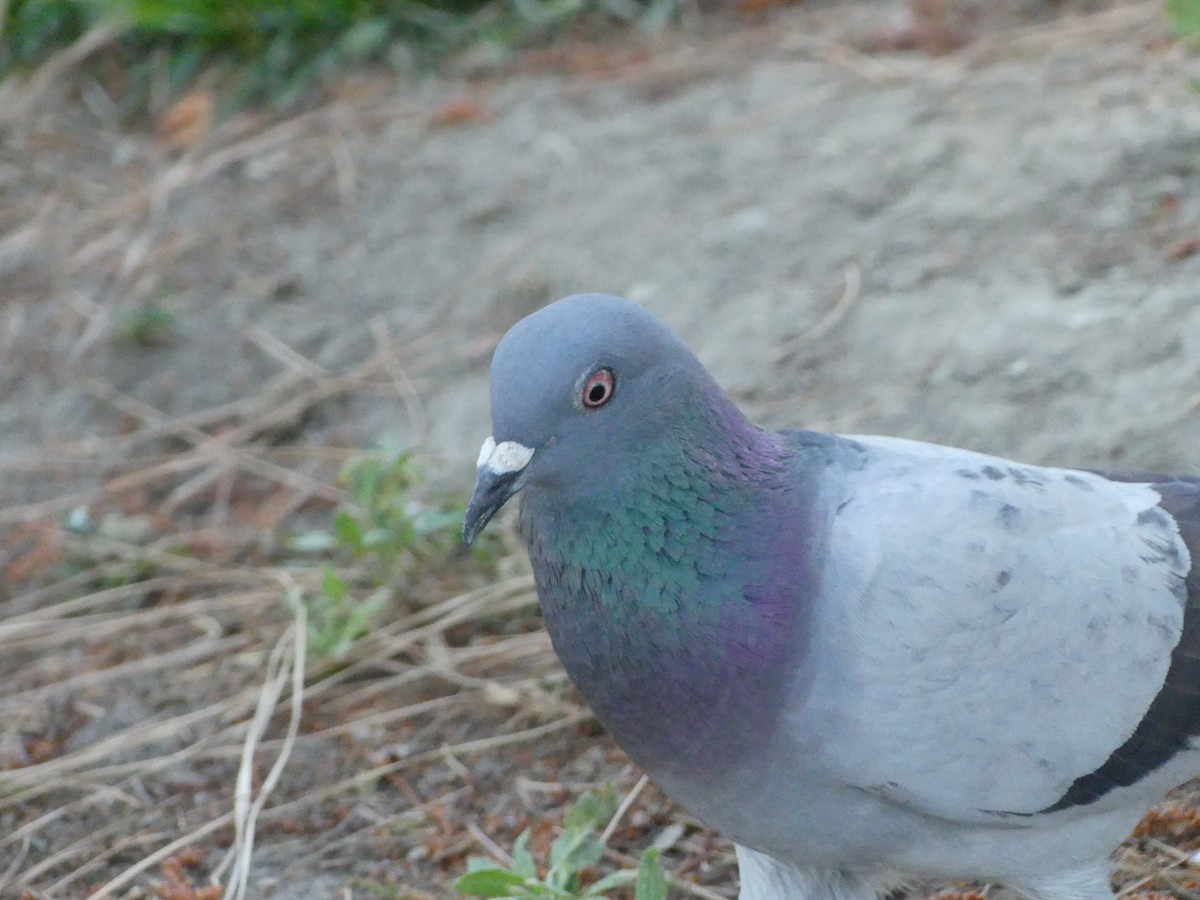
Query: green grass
x=279, y=51
x=1184, y=16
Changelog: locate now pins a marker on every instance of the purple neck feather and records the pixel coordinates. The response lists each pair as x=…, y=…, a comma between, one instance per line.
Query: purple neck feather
x=678, y=604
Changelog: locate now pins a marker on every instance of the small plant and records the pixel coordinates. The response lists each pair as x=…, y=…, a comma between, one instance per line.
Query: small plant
x=385, y=537
x=150, y=325
x=336, y=618
x=384, y=525
x=577, y=850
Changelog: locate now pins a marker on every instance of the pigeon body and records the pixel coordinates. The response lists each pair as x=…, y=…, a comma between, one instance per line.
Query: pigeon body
x=860, y=658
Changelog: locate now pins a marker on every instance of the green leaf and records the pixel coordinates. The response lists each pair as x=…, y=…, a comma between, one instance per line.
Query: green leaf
x=312, y=542
x=577, y=848
x=348, y=532
x=359, y=620
x=1185, y=17
x=478, y=863
x=332, y=585
x=365, y=39
x=492, y=883
x=564, y=845
x=361, y=478
x=573, y=852
x=592, y=810
x=374, y=538
x=183, y=65
x=523, y=863
x=611, y=881
x=651, y=882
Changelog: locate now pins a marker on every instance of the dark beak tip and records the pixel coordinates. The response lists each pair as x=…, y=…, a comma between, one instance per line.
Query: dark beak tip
x=469, y=532
x=471, y=526
x=483, y=506
x=492, y=491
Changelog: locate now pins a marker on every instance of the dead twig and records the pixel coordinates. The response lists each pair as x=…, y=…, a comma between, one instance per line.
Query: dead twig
x=626, y=802
x=851, y=291
x=494, y=850
x=386, y=352
x=286, y=664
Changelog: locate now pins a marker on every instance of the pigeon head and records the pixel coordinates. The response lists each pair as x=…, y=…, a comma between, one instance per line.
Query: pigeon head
x=577, y=388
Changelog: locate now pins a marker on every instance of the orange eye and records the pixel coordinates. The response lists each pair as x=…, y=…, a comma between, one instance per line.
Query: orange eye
x=598, y=389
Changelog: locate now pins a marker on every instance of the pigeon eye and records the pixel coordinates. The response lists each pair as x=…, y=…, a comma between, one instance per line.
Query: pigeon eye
x=598, y=389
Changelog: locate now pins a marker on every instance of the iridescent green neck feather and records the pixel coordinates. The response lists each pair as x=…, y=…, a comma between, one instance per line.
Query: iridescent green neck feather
x=675, y=593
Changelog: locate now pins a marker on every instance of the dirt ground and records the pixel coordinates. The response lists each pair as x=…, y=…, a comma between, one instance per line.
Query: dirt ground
x=973, y=224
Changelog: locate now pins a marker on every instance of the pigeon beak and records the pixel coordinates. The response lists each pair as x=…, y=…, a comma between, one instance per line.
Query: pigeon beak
x=499, y=469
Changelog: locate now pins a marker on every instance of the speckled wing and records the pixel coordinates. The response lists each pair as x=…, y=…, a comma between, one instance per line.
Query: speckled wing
x=992, y=636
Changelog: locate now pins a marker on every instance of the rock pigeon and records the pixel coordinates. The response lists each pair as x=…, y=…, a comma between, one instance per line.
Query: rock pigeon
x=863, y=659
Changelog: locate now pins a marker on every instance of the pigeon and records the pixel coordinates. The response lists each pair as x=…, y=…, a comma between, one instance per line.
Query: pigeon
x=866, y=660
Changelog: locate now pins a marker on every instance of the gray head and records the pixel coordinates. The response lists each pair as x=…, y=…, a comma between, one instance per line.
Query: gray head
x=577, y=388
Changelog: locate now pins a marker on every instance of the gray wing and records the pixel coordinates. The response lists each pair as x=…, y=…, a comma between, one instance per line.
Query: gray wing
x=990, y=634
x=1173, y=719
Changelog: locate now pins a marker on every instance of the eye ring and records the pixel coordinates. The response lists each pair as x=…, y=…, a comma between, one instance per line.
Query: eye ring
x=598, y=389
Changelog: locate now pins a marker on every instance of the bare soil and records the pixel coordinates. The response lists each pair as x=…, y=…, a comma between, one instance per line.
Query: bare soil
x=977, y=224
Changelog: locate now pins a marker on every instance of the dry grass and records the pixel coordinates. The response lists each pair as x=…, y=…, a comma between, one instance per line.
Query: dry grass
x=209, y=653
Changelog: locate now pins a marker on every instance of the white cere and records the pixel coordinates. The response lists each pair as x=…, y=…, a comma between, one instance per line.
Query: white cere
x=503, y=458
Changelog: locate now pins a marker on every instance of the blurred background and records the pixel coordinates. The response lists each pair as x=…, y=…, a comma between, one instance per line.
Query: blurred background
x=254, y=259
